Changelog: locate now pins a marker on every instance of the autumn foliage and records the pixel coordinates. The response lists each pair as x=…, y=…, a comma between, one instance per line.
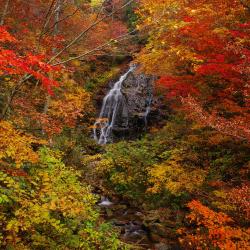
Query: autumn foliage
x=16, y=65
x=186, y=182
x=43, y=204
x=200, y=50
x=213, y=230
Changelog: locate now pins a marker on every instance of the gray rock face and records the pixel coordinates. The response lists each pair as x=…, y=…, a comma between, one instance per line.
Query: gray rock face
x=138, y=92
x=127, y=108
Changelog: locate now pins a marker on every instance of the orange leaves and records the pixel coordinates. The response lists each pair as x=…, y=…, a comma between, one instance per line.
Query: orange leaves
x=212, y=230
x=5, y=36
x=237, y=127
x=205, y=216
x=240, y=198
x=70, y=107
x=16, y=146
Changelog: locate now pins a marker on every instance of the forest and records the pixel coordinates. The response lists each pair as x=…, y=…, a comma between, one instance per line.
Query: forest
x=124, y=124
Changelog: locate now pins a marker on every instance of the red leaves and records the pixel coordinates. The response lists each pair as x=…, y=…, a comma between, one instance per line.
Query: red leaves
x=219, y=71
x=176, y=87
x=5, y=35
x=224, y=70
x=236, y=33
x=218, y=58
x=237, y=127
x=187, y=19
x=244, y=25
x=13, y=64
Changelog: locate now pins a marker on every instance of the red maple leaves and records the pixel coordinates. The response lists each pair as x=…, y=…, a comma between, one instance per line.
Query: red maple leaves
x=13, y=63
x=215, y=70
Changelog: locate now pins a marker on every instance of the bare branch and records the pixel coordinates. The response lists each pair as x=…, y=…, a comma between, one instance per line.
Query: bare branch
x=47, y=18
x=77, y=38
x=98, y=48
x=245, y=5
x=59, y=21
x=5, y=10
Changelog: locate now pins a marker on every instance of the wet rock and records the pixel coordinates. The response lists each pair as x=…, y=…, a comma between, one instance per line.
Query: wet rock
x=109, y=212
x=158, y=232
x=158, y=229
x=139, y=214
x=120, y=207
x=138, y=92
x=162, y=246
x=134, y=231
x=137, y=108
x=119, y=223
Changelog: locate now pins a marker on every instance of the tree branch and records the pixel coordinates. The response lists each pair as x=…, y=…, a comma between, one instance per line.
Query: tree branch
x=77, y=38
x=5, y=10
x=245, y=5
x=100, y=47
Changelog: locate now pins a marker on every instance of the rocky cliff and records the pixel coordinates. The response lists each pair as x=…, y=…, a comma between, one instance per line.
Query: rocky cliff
x=134, y=108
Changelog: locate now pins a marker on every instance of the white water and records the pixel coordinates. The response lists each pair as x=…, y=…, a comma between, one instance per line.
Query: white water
x=147, y=111
x=105, y=202
x=111, y=103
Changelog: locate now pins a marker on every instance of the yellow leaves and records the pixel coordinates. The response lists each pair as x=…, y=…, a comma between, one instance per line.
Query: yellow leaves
x=96, y=3
x=149, y=20
x=16, y=145
x=183, y=53
x=36, y=202
x=76, y=63
x=121, y=179
x=71, y=102
x=174, y=176
x=221, y=31
x=12, y=226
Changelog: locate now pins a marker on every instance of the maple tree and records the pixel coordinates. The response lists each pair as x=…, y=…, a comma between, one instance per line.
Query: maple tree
x=239, y=198
x=15, y=146
x=55, y=34
x=11, y=63
x=200, y=51
x=213, y=230
x=174, y=176
x=57, y=56
x=39, y=99
x=38, y=196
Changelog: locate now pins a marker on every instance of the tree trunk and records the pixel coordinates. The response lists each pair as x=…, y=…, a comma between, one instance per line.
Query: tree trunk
x=56, y=32
x=5, y=10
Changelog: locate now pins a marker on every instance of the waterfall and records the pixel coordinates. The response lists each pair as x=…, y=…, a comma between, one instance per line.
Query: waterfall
x=147, y=111
x=113, y=102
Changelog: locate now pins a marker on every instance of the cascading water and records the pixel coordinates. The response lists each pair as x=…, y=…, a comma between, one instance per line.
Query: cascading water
x=113, y=102
x=147, y=111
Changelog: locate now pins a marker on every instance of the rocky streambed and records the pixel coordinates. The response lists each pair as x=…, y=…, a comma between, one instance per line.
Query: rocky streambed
x=127, y=109
x=143, y=230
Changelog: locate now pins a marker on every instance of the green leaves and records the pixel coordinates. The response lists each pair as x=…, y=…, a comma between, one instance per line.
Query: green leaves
x=51, y=208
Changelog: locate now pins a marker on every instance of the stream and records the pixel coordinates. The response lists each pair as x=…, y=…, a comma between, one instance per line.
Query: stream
x=129, y=222
x=134, y=228
x=128, y=99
